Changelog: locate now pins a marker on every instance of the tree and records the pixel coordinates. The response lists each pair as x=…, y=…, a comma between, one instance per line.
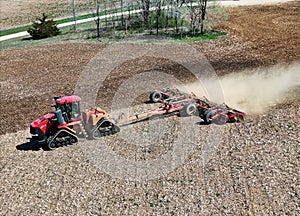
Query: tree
x=203, y=4
x=145, y=11
x=197, y=12
x=97, y=19
x=105, y=13
x=43, y=28
x=112, y=15
x=158, y=12
x=122, y=17
x=74, y=13
x=175, y=12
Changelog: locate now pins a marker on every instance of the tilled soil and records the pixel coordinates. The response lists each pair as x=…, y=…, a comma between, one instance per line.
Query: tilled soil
x=252, y=169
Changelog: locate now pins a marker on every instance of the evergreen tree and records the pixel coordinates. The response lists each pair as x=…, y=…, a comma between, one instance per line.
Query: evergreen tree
x=43, y=28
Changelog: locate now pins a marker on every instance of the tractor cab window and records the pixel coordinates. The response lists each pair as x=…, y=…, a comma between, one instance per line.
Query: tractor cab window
x=75, y=110
x=61, y=107
x=70, y=111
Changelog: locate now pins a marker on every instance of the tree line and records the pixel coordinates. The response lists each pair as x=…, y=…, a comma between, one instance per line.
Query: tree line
x=153, y=16
x=150, y=15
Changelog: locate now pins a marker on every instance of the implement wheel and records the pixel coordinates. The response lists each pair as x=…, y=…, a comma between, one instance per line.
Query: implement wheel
x=208, y=114
x=188, y=110
x=155, y=97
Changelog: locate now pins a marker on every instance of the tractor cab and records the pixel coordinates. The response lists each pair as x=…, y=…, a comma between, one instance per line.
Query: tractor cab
x=69, y=106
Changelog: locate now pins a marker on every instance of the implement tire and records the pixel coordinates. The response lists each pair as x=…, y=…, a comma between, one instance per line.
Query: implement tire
x=188, y=110
x=155, y=97
x=207, y=116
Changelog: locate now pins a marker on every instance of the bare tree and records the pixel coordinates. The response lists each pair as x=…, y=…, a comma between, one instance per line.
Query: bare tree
x=112, y=14
x=175, y=12
x=122, y=17
x=126, y=19
x=97, y=19
x=105, y=13
x=197, y=14
x=145, y=6
x=203, y=4
x=158, y=13
x=74, y=13
x=193, y=18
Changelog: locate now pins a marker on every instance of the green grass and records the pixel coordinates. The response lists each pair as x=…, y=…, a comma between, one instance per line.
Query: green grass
x=14, y=30
x=86, y=33
x=206, y=36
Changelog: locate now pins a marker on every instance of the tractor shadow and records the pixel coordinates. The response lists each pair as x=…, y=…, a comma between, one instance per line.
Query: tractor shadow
x=28, y=146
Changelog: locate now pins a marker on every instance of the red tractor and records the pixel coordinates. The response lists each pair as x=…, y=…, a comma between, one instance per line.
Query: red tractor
x=67, y=123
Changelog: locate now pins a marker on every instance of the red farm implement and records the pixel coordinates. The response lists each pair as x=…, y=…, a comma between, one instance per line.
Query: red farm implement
x=174, y=101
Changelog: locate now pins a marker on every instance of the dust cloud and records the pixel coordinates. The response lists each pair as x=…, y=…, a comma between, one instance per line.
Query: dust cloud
x=254, y=91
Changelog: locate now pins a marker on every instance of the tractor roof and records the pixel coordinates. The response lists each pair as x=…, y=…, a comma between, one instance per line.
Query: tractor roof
x=68, y=99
